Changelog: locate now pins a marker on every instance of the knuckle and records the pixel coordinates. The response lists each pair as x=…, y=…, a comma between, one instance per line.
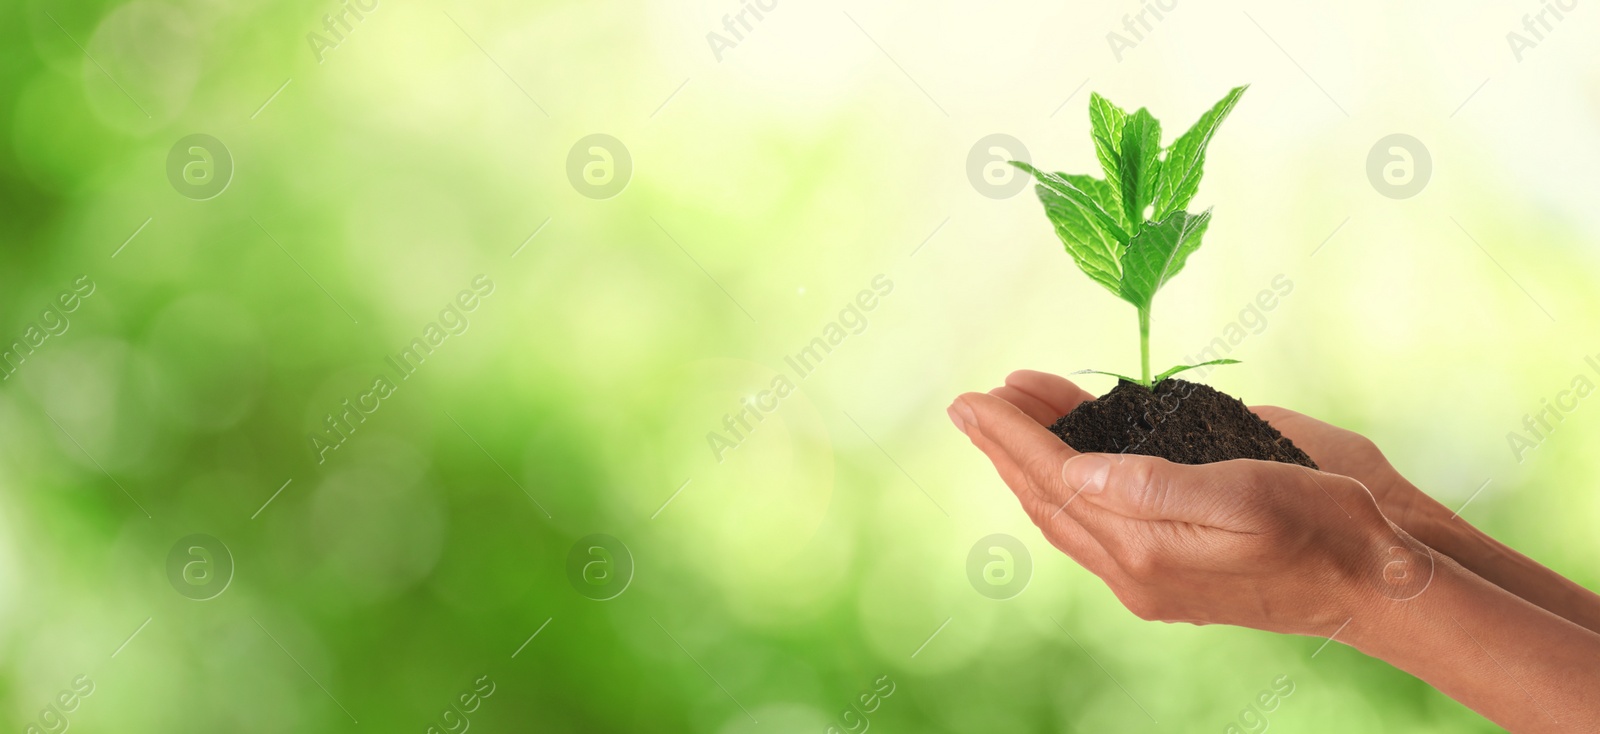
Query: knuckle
x=1265, y=482
x=1142, y=564
x=1049, y=473
x=1142, y=606
x=1252, y=474
x=1366, y=445
x=1139, y=482
x=1346, y=489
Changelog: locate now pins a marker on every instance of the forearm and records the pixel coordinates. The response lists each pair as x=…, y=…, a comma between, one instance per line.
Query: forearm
x=1515, y=663
x=1503, y=566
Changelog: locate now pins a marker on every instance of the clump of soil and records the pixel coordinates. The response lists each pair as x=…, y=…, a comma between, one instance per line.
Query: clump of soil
x=1179, y=421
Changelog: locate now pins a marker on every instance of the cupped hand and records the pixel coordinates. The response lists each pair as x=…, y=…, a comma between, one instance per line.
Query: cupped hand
x=1255, y=544
x=1046, y=397
x=1347, y=453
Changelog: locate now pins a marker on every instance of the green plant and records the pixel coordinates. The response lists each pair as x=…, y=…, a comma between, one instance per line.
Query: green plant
x=1129, y=231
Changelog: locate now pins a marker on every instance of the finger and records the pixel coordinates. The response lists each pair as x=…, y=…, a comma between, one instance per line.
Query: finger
x=1035, y=450
x=1053, y=390
x=1041, y=457
x=992, y=424
x=1152, y=488
x=1008, y=470
x=1063, y=529
x=1034, y=408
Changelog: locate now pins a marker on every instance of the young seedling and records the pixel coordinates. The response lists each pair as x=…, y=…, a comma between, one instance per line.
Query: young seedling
x=1129, y=231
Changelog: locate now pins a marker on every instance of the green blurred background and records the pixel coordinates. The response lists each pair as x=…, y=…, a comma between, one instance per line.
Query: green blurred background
x=764, y=182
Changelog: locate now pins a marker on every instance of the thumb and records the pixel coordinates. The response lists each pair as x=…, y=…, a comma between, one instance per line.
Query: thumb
x=1147, y=487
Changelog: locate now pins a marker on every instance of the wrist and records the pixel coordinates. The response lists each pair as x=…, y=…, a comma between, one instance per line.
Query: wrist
x=1388, y=618
x=1428, y=520
x=1391, y=569
x=1515, y=663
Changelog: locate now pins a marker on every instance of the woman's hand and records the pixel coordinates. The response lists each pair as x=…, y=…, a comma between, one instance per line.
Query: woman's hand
x=1256, y=544
x=1283, y=548
x=1348, y=453
x=1353, y=455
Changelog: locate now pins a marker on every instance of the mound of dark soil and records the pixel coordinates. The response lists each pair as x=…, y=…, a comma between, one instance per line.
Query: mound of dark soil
x=1179, y=421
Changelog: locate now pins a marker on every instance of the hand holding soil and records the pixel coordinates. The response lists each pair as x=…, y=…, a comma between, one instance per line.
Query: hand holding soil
x=1258, y=544
x=1285, y=548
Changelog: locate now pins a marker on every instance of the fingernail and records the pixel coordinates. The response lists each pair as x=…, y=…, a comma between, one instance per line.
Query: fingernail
x=961, y=415
x=1087, y=472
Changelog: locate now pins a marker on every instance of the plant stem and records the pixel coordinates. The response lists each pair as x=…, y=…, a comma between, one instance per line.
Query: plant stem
x=1144, y=345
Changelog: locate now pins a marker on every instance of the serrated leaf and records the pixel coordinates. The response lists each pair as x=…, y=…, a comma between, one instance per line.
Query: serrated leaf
x=1158, y=253
x=1182, y=368
x=1106, y=121
x=1089, y=245
x=1139, y=166
x=1180, y=178
x=1061, y=185
x=1100, y=190
x=1090, y=236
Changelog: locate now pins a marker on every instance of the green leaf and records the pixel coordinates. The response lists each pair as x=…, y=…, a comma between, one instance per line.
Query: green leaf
x=1133, y=380
x=1158, y=253
x=1061, y=185
x=1140, y=165
x=1106, y=121
x=1181, y=368
x=1180, y=178
x=1091, y=237
x=1102, y=193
